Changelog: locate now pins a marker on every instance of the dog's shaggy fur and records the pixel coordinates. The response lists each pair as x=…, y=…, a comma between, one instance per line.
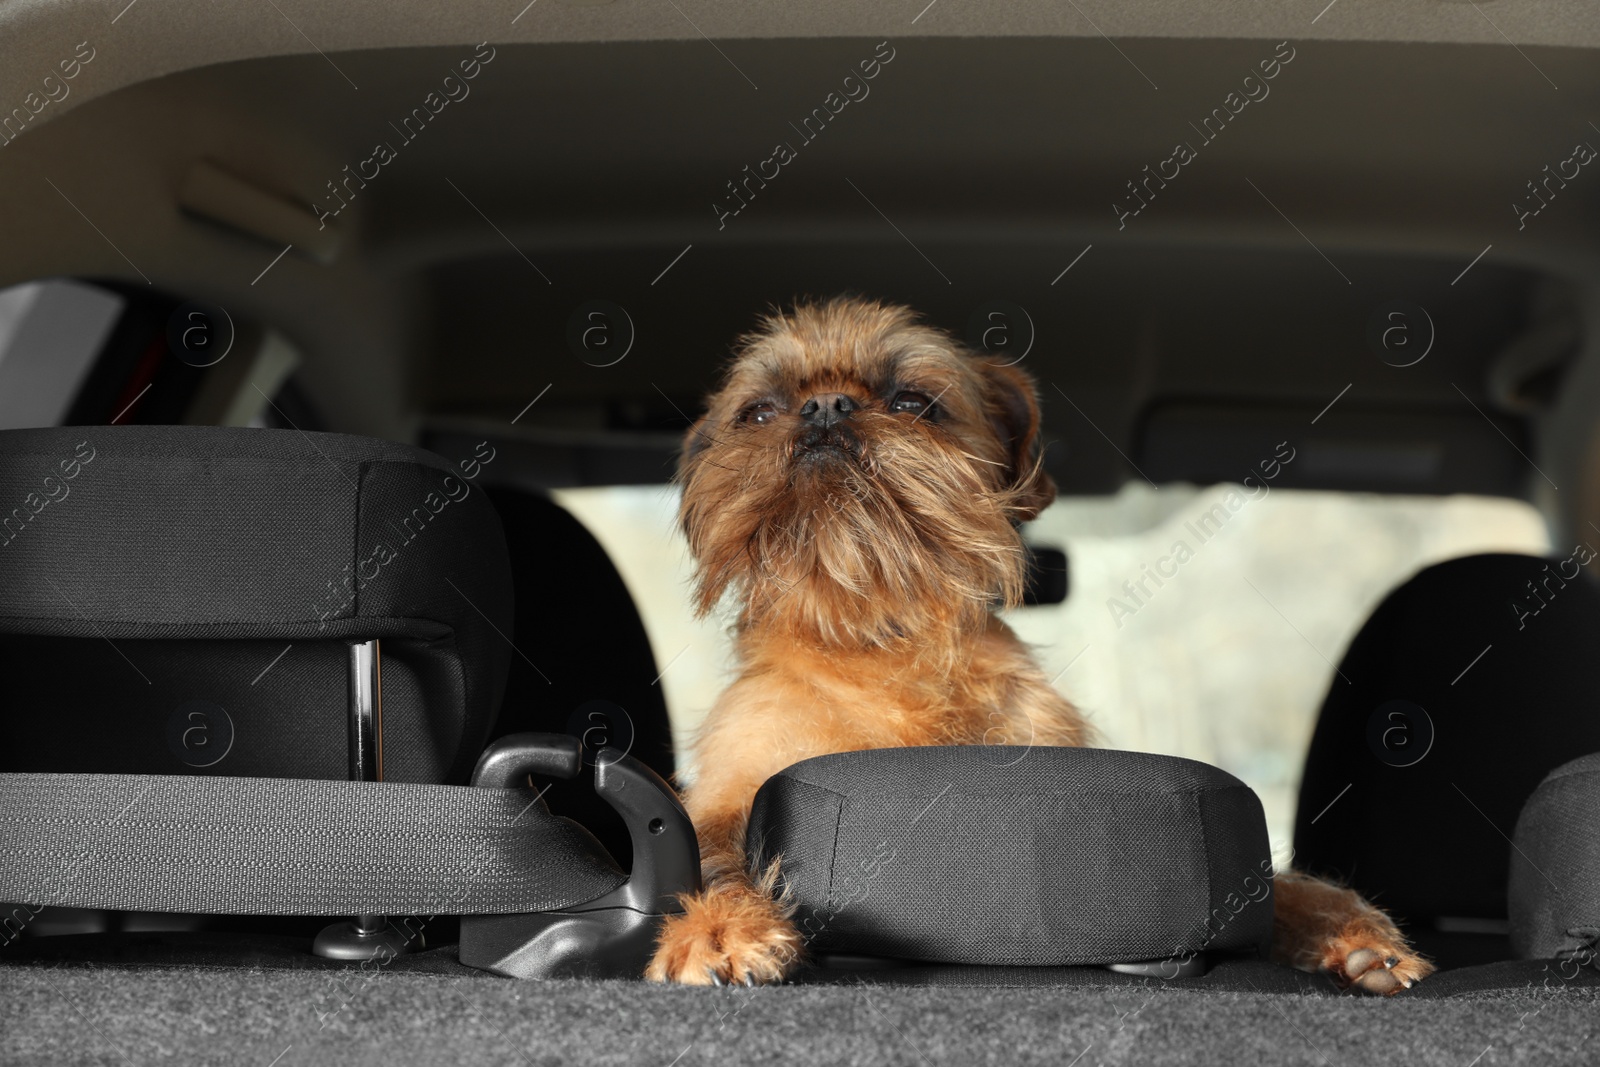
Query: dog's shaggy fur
x=856, y=484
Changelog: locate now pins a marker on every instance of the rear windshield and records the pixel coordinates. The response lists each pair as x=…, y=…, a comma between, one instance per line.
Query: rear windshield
x=1199, y=622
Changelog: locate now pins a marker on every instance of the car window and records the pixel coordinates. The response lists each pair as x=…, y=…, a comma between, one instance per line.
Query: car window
x=1225, y=659
x=76, y=353
x=51, y=333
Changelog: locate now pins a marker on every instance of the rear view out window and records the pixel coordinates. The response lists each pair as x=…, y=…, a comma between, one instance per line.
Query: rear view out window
x=51, y=333
x=1226, y=660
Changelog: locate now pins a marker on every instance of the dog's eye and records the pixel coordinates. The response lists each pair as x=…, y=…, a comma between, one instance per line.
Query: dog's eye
x=915, y=403
x=758, y=413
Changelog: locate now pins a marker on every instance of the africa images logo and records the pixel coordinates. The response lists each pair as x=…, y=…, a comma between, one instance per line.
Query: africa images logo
x=200, y=733
x=1203, y=529
x=52, y=490
x=340, y=595
x=453, y=88
x=1254, y=90
x=52, y=89
x=854, y=90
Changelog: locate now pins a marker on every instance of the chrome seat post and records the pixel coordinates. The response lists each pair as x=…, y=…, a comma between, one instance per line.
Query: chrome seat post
x=366, y=936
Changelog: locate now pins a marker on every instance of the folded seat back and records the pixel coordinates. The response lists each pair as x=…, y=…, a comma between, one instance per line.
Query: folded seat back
x=178, y=600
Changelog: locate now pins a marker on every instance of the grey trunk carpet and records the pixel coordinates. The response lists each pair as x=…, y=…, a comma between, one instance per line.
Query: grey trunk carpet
x=165, y=1004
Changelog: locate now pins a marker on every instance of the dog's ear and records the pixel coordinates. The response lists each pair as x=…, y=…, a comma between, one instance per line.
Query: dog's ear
x=1014, y=415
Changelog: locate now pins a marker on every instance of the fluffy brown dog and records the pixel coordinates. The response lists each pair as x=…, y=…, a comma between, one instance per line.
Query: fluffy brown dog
x=857, y=483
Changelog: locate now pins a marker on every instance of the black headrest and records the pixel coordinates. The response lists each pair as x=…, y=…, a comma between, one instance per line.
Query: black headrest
x=1012, y=855
x=1465, y=688
x=218, y=537
x=1555, y=873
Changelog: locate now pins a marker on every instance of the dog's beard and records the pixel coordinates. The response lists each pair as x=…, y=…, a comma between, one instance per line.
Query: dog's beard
x=884, y=535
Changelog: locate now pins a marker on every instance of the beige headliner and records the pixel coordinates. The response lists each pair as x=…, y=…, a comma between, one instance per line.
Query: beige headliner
x=1398, y=147
x=154, y=37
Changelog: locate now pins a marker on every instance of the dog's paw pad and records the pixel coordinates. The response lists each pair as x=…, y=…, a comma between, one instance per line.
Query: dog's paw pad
x=725, y=939
x=1374, y=963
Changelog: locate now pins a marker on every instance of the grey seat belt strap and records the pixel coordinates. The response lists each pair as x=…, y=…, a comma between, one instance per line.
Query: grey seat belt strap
x=270, y=846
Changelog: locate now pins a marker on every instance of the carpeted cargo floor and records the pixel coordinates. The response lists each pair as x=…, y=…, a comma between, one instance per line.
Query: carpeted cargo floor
x=170, y=1001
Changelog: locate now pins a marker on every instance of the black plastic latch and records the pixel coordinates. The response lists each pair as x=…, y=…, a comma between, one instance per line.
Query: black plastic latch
x=614, y=935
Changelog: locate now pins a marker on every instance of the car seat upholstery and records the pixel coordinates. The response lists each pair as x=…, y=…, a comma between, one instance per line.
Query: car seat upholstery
x=1468, y=684
x=1006, y=855
x=1555, y=868
x=159, y=579
x=183, y=550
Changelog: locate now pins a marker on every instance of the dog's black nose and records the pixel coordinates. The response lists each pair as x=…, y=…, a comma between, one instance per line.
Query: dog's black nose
x=825, y=409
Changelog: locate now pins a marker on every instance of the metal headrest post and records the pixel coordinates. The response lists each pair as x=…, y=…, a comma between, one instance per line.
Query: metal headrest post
x=366, y=936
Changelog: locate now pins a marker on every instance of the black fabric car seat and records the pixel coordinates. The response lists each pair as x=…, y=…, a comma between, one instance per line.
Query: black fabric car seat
x=1554, y=889
x=178, y=600
x=1009, y=855
x=252, y=666
x=1468, y=684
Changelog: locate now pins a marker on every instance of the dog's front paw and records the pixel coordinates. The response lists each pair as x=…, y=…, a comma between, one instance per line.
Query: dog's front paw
x=1373, y=960
x=730, y=933
x=1320, y=926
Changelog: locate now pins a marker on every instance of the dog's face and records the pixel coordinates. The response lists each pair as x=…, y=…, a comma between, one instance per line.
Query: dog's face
x=859, y=476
